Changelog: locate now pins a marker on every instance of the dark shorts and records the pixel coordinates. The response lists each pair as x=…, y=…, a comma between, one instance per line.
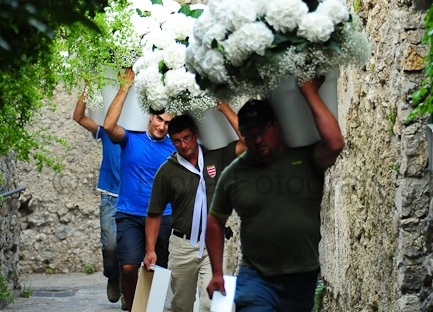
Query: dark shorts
x=131, y=241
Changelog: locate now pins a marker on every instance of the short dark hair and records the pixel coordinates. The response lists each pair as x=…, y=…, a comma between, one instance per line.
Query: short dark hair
x=255, y=113
x=153, y=111
x=181, y=123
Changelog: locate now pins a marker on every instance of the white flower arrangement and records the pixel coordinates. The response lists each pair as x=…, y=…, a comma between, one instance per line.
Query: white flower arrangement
x=141, y=32
x=161, y=79
x=250, y=46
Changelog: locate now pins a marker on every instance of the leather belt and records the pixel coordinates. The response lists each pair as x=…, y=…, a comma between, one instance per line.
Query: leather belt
x=179, y=234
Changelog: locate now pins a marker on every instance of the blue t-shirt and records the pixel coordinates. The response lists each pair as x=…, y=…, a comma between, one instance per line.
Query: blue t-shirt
x=140, y=158
x=109, y=170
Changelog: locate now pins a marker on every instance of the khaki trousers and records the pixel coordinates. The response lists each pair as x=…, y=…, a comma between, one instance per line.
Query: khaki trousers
x=188, y=272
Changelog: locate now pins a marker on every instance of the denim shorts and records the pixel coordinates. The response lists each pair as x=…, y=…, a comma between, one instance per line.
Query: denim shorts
x=131, y=241
x=283, y=293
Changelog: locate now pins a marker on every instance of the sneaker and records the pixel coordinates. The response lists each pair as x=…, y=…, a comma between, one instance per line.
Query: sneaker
x=113, y=290
x=124, y=307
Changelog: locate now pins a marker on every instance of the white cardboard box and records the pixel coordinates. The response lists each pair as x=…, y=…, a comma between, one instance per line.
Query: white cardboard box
x=151, y=289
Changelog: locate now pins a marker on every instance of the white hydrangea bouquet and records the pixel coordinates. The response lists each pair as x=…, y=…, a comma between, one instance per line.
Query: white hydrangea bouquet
x=161, y=79
x=128, y=30
x=251, y=46
x=88, y=55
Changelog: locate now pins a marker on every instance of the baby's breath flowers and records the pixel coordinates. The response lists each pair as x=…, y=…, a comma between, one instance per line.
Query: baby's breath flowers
x=251, y=46
x=149, y=35
x=93, y=98
x=161, y=79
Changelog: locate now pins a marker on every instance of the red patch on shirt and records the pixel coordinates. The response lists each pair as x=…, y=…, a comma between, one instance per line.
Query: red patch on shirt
x=211, y=171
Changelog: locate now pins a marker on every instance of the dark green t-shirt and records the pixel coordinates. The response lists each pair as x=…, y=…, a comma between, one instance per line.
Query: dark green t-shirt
x=279, y=208
x=175, y=184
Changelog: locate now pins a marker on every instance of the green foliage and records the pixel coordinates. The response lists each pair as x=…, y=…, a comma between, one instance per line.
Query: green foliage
x=28, y=73
x=23, y=92
x=26, y=292
x=357, y=6
x=27, y=27
x=5, y=293
x=394, y=167
x=185, y=9
x=423, y=97
x=89, y=268
x=318, y=297
x=85, y=54
x=391, y=117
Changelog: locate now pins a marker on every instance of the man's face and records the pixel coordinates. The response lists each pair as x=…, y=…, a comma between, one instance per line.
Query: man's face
x=263, y=142
x=185, y=143
x=158, y=125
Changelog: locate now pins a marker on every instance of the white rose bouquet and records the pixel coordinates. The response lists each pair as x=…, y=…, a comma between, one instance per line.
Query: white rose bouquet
x=161, y=79
x=250, y=46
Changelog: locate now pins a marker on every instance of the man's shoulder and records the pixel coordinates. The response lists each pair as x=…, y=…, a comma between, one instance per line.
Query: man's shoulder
x=170, y=162
x=229, y=148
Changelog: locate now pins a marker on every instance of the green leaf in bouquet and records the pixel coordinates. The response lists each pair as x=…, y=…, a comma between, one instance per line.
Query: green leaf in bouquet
x=204, y=83
x=334, y=46
x=143, y=13
x=157, y=2
x=283, y=41
x=272, y=53
x=280, y=39
x=216, y=45
x=162, y=68
x=184, y=95
x=186, y=9
x=248, y=69
x=196, y=13
x=312, y=4
x=183, y=41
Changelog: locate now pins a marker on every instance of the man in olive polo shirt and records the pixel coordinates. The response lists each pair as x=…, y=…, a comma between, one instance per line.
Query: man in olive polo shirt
x=276, y=191
x=187, y=181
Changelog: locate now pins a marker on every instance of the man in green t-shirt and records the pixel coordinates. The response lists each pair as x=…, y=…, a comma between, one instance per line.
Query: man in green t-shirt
x=187, y=180
x=276, y=191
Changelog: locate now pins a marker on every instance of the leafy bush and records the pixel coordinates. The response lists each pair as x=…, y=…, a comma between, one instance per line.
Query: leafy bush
x=28, y=71
x=6, y=296
x=26, y=292
x=89, y=268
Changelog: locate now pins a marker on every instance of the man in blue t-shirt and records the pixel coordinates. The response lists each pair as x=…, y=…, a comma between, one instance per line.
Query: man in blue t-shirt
x=108, y=185
x=141, y=155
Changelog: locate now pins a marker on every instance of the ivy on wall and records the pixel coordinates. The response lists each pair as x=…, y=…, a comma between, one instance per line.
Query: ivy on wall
x=423, y=97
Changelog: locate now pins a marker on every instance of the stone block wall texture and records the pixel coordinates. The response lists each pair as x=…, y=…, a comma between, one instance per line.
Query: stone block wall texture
x=9, y=223
x=376, y=245
x=60, y=210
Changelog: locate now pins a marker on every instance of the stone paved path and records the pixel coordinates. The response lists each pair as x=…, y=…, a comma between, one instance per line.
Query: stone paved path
x=77, y=292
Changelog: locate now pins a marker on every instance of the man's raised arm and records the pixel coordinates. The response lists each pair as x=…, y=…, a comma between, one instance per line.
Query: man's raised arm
x=114, y=131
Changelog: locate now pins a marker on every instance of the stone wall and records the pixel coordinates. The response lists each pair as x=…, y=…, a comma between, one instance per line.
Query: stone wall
x=60, y=210
x=375, y=209
x=9, y=223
